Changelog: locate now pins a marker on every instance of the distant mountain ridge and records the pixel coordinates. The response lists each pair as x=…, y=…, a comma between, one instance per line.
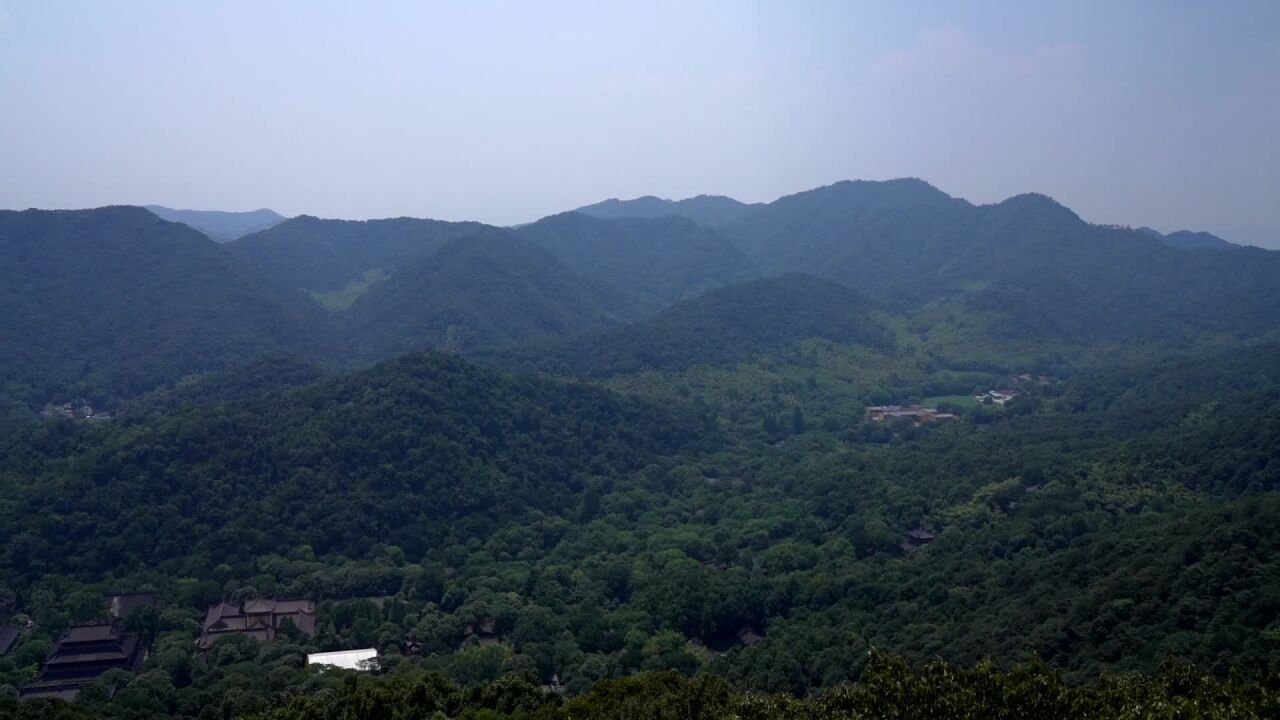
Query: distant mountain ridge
x=704, y=209
x=655, y=260
x=652, y=262
x=325, y=255
x=121, y=301
x=1189, y=240
x=1029, y=260
x=220, y=225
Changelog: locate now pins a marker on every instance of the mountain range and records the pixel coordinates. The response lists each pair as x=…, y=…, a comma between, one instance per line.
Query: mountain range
x=341, y=293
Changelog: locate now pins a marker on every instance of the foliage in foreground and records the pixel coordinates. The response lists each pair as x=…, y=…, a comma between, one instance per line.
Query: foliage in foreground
x=889, y=688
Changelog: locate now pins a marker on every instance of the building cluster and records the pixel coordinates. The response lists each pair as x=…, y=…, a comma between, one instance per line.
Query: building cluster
x=87, y=650
x=260, y=619
x=1034, y=379
x=996, y=397
x=74, y=410
x=915, y=413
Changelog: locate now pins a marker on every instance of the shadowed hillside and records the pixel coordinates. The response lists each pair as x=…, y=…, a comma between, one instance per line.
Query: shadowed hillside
x=719, y=327
x=484, y=290
x=115, y=301
x=327, y=255
x=657, y=261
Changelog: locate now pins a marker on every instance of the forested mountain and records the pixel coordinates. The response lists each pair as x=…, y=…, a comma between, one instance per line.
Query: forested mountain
x=596, y=535
x=719, y=327
x=243, y=382
x=220, y=225
x=656, y=261
x=445, y=452
x=115, y=301
x=704, y=209
x=1033, y=262
x=1041, y=271
x=488, y=289
x=327, y=255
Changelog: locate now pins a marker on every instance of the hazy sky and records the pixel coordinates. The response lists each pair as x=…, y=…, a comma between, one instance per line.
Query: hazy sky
x=1162, y=113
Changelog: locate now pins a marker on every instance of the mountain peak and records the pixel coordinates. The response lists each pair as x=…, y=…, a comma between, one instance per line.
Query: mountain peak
x=898, y=192
x=1033, y=204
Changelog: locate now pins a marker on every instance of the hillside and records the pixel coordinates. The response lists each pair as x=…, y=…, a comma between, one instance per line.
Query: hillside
x=656, y=261
x=391, y=455
x=1049, y=274
x=719, y=327
x=113, y=302
x=480, y=526
x=258, y=378
x=328, y=255
x=483, y=290
x=220, y=225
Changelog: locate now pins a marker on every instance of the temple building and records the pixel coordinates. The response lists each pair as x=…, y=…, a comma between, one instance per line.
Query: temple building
x=260, y=619
x=85, y=651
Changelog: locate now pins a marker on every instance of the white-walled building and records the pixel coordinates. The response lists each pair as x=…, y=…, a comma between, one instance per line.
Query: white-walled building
x=347, y=659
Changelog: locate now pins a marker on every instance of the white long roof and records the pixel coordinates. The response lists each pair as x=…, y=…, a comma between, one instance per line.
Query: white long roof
x=348, y=659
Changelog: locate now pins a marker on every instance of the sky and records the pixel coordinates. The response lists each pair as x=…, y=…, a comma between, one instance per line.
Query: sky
x=1162, y=113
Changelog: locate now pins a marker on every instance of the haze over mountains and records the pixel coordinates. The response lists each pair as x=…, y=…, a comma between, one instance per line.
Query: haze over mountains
x=342, y=292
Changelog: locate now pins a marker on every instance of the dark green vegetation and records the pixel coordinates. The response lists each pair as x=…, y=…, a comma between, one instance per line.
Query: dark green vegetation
x=721, y=327
x=406, y=436
x=667, y=466
x=482, y=290
x=219, y=225
x=889, y=689
x=113, y=302
x=653, y=262
x=1110, y=522
x=325, y=255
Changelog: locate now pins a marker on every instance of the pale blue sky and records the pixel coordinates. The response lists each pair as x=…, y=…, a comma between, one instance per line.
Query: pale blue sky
x=1163, y=113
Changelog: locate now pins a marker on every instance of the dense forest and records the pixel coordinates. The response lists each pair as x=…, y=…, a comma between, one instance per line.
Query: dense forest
x=544, y=474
